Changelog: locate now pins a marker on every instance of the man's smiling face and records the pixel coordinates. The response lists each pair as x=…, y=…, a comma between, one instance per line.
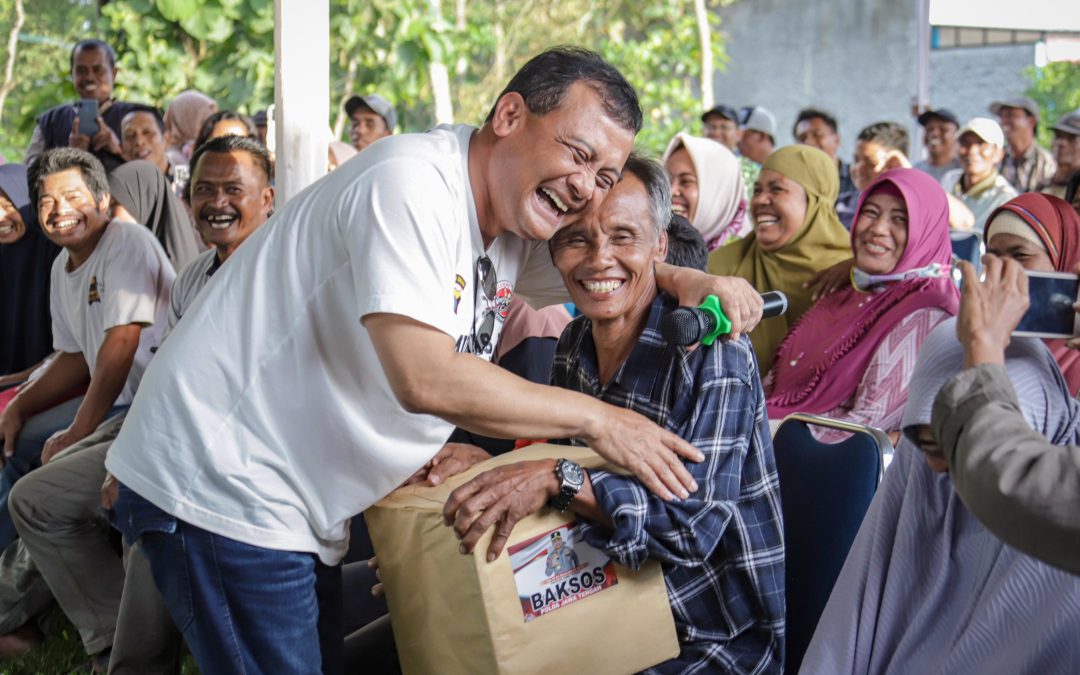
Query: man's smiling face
x=555, y=165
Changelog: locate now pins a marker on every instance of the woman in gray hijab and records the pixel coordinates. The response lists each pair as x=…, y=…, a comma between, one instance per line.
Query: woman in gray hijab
x=926, y=588
x=144, y=192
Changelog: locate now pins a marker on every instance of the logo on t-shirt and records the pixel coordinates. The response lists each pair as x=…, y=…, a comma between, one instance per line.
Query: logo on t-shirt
x=459, y=286
x=94, y=294
x=504, y=292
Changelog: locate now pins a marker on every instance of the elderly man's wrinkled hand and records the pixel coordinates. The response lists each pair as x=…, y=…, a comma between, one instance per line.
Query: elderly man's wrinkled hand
x=452, y=459
x=499, y=497
x=990, y=309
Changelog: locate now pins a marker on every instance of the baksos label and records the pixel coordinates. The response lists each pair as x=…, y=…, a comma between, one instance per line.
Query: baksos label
x=557, y=568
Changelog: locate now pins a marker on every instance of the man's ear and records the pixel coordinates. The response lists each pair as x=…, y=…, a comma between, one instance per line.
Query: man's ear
x=104, y=202
x=268, y=199
x=510, y=112
x=662, y=254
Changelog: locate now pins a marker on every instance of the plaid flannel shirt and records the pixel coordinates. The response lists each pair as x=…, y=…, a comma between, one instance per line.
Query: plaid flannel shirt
x=722, y=549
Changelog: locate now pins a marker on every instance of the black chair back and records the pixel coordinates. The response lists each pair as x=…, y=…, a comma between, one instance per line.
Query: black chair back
x=825, y=490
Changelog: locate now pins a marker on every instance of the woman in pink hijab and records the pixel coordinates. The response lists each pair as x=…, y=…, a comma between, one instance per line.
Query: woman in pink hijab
x=183, y=119
x=707, y=188
x=852, y=354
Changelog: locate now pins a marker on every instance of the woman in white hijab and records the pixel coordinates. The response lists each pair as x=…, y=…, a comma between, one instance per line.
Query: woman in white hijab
x=707, y=188
x=926, y=588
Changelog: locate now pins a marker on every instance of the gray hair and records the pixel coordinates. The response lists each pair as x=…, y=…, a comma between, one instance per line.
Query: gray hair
x=657, y=186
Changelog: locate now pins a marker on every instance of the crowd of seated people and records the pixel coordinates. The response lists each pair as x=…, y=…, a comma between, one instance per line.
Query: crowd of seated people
x=109, y=236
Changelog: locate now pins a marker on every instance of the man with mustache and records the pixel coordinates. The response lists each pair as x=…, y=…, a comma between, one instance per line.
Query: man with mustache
x=142, y=136
x=55, y=508
x=93, y=72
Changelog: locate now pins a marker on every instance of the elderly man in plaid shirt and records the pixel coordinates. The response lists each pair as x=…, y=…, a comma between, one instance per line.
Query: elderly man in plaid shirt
x=722, y=548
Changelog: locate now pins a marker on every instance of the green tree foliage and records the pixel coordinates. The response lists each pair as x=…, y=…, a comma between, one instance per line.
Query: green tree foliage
x=225, y=48
x=1056, y=87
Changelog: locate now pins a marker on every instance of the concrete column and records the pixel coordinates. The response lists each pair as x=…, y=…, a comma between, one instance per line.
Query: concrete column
x=301, y=93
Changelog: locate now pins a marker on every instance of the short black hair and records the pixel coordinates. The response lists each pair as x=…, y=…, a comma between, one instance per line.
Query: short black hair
x=892, y=135
x=685, y=245
x=228, y=144
x=657, y=187
x=543, y=82
x=61, y=159
x=814, y=113
x=93, y=43
x=208, y=125
x=140, y=108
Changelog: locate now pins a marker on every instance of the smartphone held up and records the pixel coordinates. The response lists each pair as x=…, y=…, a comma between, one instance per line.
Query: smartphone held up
x=1050, y=313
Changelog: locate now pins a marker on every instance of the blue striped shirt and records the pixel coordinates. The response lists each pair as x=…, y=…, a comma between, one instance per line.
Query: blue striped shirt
x=722, y=550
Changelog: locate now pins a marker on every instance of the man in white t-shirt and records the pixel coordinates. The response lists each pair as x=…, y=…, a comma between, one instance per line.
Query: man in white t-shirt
x=265, y=424
x=109, y=300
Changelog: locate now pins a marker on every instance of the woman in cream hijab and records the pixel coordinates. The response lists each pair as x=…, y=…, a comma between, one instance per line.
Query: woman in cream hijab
x=183, y=119
x=707, y=188
x=796, y=235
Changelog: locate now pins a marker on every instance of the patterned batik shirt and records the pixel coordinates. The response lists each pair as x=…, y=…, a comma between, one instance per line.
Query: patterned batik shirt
x=722, y=549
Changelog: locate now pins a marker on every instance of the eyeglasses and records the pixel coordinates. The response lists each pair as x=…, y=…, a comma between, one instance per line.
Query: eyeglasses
x=484, y=326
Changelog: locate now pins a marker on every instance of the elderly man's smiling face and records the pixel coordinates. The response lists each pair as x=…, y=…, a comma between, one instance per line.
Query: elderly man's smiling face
x=607, y=258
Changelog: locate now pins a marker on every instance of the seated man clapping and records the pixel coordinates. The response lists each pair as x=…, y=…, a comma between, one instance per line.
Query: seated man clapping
x=722, y=547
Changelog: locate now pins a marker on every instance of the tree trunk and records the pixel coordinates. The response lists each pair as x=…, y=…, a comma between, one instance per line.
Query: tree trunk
x=440, y=81
x=500, y=44
x=705, y=38
x=461, y=69
x=350, y=76
x=12, y=52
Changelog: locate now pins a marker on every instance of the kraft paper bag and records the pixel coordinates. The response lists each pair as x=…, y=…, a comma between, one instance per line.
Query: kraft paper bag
x=568, y=608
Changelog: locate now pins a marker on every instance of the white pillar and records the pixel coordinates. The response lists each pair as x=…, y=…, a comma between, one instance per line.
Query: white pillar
x=301, y=93
x=922, y=75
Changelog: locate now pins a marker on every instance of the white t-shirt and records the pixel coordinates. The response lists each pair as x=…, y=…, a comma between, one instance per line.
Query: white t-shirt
x=189, y=281
x=266, y=417
x=127, y=279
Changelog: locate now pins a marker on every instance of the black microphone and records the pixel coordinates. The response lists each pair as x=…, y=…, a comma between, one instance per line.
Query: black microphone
x=690, y=325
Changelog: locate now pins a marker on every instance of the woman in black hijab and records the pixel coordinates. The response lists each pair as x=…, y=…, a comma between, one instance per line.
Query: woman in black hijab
x=26, y=258
x=143, y=192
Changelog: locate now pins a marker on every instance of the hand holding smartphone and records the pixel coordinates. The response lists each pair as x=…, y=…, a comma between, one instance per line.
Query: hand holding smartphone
x=1051, y=313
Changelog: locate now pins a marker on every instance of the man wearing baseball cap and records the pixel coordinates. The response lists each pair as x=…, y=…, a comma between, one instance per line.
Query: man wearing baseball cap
x=372, y=117
x=939, y=137
x=977, y=183
x=721, y=123
x=1025, y=165
x=758, y=139
x=1066, y=149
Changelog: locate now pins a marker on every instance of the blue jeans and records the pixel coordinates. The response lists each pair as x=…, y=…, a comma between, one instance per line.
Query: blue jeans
x=27, y=454
x=241, y=608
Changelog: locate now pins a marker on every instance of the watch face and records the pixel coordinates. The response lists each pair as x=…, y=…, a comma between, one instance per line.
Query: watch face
x=572, y=473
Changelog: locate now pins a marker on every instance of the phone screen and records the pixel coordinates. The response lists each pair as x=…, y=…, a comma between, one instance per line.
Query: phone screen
x=88, y=114
x=1051, y=312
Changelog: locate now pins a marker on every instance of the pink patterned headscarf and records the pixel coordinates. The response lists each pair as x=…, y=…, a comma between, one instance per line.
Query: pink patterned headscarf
x=820, y=363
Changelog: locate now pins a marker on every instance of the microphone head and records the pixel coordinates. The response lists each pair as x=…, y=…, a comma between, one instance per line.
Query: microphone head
x=775, y=304
x=683, y=326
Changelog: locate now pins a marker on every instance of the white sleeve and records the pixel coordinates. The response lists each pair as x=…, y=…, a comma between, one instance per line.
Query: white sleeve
x=134, y=276
x=401, y=225
x=63, y=337
x=539, y=283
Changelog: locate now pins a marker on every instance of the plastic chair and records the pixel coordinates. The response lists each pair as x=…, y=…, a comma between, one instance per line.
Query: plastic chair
x=825, y=489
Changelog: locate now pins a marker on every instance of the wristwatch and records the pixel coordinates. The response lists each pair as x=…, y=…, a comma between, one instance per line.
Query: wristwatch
x=571, y=477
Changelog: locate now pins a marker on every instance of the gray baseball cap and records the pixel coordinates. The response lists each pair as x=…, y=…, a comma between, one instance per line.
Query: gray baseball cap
x=1069, y=123
x=377, y=104
x=1022, y=102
